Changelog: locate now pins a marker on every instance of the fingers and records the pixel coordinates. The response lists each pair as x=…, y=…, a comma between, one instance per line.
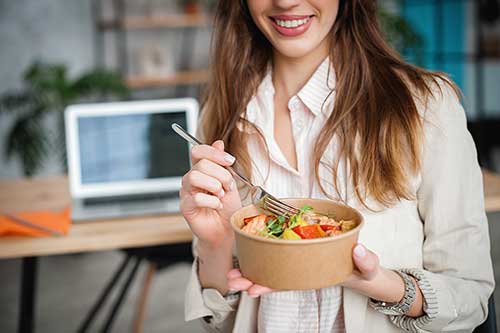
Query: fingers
x=216, y=171
x=366, y=262
x=234, y=273
x=219, y=145
x=212, y=153
x=238, y=283
x=257, y=290
x=200, y=200
x=208, y=181
x=194, y=181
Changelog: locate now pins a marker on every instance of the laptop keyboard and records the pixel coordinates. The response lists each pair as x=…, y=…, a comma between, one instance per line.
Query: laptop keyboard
x=130, y=199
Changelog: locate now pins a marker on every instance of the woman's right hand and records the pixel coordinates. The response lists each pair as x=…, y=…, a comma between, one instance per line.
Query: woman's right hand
x=209, y=195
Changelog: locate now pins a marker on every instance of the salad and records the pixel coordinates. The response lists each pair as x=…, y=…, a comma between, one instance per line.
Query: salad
x=305, y=225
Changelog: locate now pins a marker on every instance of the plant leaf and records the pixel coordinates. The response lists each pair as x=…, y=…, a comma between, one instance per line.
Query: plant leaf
x=28, y=140
x=14, y=101
x=100, y=82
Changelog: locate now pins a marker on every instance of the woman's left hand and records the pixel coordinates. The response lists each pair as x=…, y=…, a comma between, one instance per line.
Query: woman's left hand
x=377, y=282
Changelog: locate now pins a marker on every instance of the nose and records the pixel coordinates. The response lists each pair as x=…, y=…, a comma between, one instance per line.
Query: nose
x=287, y=4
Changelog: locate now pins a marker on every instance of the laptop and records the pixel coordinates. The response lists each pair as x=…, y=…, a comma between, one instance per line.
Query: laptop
x=124, y=159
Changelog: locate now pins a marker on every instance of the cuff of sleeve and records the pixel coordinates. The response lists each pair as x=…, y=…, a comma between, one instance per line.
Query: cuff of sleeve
x=437, y=305
x=208, y=304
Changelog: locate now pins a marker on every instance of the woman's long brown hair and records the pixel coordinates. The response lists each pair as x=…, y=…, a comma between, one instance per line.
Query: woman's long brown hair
x=375, y=120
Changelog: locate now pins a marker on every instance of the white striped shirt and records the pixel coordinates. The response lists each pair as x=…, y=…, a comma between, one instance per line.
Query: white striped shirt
x=294, y=311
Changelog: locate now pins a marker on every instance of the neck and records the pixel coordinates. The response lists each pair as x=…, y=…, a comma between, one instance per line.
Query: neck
x=291, y=74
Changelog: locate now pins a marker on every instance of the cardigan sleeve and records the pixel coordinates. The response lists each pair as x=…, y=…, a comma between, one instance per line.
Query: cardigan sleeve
x=457, y=276
x=216, y=312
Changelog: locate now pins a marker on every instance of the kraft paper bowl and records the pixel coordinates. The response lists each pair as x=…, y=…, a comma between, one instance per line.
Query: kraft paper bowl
x=297, y=264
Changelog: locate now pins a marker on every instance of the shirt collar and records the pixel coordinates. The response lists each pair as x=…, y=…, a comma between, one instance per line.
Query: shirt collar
x=319, y=88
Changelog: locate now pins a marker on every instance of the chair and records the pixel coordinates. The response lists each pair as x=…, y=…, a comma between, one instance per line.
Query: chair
x=157, y=257
x=486, y=134
x=490, y=325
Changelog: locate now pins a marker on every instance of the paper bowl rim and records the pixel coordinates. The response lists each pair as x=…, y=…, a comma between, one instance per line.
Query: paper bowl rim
x=300, y=241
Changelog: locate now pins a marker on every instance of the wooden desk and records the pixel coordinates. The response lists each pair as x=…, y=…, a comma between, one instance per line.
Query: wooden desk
x=53, y=193
x=491, y=191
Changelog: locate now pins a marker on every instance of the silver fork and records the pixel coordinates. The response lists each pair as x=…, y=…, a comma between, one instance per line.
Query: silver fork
x=259, y=196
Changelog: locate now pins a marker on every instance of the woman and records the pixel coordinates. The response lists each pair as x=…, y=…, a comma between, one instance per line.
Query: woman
x=312, y=102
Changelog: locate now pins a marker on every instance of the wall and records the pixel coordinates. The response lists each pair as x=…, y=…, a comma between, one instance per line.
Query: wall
x=49, y=30
x=62, y=31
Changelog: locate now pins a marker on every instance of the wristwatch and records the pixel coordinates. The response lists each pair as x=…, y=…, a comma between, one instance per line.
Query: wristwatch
x=402, y=307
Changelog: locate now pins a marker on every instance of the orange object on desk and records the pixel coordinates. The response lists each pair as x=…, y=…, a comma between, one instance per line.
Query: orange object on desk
x=57, y=221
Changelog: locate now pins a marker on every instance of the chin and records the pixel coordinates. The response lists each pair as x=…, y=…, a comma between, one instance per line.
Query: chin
x=296, y=49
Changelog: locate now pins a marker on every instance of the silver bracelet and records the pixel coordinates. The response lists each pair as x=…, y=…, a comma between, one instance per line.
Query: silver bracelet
x=402, y=307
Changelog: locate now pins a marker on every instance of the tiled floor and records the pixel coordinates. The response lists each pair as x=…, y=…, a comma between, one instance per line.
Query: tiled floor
x=68, y=285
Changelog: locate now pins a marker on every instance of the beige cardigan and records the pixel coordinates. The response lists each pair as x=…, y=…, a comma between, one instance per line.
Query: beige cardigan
x=442, y=236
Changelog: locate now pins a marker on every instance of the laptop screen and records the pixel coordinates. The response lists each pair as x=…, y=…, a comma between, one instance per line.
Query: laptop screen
x=115, y=148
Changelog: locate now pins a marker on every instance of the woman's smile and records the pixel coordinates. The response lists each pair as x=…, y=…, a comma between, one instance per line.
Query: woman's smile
x=291, y=25
x=296, y=28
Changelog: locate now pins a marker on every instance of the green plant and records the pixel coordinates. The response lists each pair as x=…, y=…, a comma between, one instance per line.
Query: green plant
x=48, y=90
x=401, y=34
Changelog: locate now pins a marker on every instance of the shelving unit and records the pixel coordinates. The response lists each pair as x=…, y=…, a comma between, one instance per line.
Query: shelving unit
x=122, y=24
x=180, y=78
x=157, y=22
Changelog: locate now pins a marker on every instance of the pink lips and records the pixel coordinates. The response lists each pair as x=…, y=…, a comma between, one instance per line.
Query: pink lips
x=291, y=32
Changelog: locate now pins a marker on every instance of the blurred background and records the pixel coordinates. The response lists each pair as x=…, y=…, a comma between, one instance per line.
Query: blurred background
x=57, y=52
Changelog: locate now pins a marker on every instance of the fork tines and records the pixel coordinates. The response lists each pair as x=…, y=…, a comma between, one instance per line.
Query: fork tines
x=278, y=207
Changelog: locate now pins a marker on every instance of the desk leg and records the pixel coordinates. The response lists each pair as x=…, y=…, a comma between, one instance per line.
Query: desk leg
x=28, y=290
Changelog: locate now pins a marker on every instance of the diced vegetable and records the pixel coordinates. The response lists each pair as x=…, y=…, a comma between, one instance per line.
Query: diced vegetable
x=309, y=231
x=290, y=234
x=347, y=225
x=297, y=220
x=326, y=227
x=275, y=226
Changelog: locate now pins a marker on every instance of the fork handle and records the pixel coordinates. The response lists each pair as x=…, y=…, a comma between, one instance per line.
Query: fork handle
x=195, y=142
x=185, y=135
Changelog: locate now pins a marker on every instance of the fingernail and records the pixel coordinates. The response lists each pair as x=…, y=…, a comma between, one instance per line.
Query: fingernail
x=220, y=206
x=253, y=295
x=359, y=251
x=221, y=194
x=232, y=186
x=228, y=158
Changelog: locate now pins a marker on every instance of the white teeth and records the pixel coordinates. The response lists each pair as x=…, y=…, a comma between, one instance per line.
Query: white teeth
x=291, y=23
